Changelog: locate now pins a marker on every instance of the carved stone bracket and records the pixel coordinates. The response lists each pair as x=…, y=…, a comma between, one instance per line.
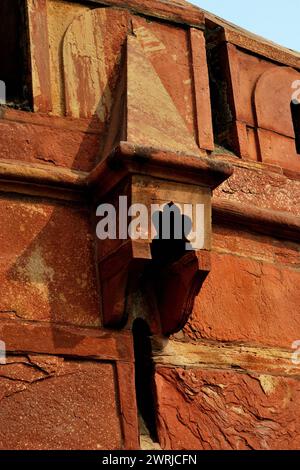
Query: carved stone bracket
x=155, y=152
x=166, y=275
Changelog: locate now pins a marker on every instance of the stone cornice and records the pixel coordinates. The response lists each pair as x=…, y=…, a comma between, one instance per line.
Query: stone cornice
x=61, y=183
x=182, y=12
x=176, y=11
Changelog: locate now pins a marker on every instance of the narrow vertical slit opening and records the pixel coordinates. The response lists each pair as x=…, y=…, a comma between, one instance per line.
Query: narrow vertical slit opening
x=144, y=376
x=295, y=109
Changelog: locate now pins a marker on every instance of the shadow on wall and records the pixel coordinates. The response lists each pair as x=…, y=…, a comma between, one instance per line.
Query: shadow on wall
x=54, y=278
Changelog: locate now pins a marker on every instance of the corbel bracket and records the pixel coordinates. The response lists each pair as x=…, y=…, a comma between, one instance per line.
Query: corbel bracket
x=163, y=271
x=152, y=158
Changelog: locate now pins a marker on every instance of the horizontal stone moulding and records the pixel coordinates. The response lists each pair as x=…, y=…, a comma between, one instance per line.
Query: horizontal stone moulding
x=219, y=355
x=41, y=174
x=44, y=338
x=63, y=183
x=187, y=168
x=178, y=12
x=269, y=222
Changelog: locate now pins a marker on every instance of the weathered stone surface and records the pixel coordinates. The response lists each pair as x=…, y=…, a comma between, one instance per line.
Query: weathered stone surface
x=273, y=98
x=38, y=143
x=278, y=149
x=59, y=16
x=242, y=243
x=92, y=47
x=245, y=69
x=47, y=267
x=247, y=300
x=262, y=188
x=38, y=32
x=148, y=99
x=50, y=403
x=208, y=354
x=178, y=11
x=167, y=47
x=175, y=109
x=257, y=220
x=124, y=81
x=69, y=341
x=253, y=108
x=86, y=60
x=213, y=410
x=127, y=403
x=233, y=34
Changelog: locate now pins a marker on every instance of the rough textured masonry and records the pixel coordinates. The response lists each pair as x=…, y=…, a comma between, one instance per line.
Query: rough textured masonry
x=124, y=344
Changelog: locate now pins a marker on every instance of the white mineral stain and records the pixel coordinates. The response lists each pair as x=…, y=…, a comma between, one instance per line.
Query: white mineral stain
x=37, y=272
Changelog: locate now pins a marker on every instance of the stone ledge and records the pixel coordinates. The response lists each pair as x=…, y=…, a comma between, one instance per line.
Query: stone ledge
x=86, y=125
x=224, y=356
x=62, y=183
x=68, y=341
x=178, y=11
x=278, y=224
x=244, y=39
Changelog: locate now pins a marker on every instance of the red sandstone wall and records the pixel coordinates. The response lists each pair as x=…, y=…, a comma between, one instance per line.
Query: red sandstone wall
x=226, y=381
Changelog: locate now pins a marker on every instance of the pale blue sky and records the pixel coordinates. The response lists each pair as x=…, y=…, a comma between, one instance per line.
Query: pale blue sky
x=278, y=20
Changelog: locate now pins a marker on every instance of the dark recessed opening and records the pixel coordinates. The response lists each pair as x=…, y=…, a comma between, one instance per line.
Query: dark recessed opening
x=172, y=229
x=14, y=70
x=221, y=93
x=295, y=109
x=144, y=373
